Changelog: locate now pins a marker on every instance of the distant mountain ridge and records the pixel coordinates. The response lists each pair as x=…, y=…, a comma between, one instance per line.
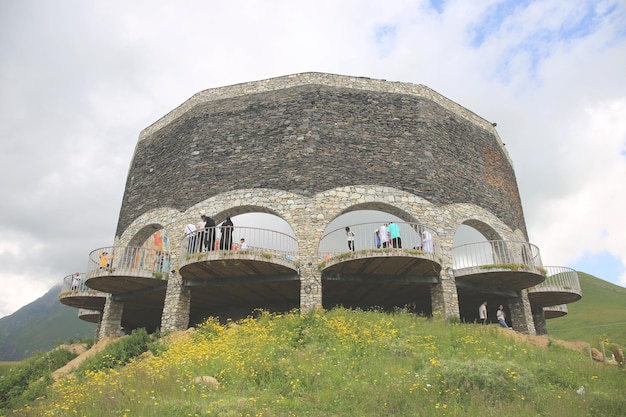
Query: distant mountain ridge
x=40, y=326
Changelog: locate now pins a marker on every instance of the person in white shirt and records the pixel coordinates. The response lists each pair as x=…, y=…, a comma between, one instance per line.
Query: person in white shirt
x=76, y=281
x=191, y=237
x=501, y=317
x=243, y=245
x=350, y=237
x=427, y=242
x=384, y=236
x=201, y=232
x=482, y=312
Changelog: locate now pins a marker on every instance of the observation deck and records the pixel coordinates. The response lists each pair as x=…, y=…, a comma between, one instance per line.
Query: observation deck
x=497, y=265
x=223, y=271
x=373, y=271
x=92, y=316
x=75, y=293
x=125, y=269
x=135, y=276
x=553, y=312
x=560, y=287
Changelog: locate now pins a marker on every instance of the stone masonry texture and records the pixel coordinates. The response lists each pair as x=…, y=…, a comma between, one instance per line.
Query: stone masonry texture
x=306, y=137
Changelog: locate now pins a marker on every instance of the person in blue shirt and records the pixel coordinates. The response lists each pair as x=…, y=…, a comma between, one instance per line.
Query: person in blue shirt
x=394, y=233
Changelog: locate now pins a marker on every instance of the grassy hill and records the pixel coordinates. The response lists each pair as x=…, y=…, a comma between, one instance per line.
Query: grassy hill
x=337, y=363
x=42, y=324
x=599, y=315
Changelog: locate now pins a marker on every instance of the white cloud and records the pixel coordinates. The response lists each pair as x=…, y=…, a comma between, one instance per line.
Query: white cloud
x=79, y=80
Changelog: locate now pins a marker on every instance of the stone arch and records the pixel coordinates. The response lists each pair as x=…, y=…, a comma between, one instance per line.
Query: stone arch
x=483, y=228
x=232, y=203
x=381, y=206
x=146, y=224
x=485, y=222
x=342, y=200
x=143, y=234
x=246, y=209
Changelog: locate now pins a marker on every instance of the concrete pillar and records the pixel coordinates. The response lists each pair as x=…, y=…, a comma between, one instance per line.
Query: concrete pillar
x=111, y=322
x=539, y=320
x=177, y=305
x=444, y=298
x=521, y=315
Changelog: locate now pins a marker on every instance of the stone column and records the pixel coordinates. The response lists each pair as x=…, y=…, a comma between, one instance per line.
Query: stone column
x=96, y=335
x=521, y=315
x=176, y=306
x=310, y=287
x=444, y=298
x=539, y=320
x=111, y=322
x=309, y=222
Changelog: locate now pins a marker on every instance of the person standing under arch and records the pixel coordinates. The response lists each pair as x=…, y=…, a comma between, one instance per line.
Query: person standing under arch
x=482, y=313
x=394, y=234
x=350, y=237
x=500, y=315
x=384, y=236
x=226, y=242
x=210, y=233
x=200, y=227
x=190, y=234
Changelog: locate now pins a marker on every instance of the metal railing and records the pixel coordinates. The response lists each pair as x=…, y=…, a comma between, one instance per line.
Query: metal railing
x=497, y=254
x=561, y=308
x=407, y=239
x=129, y=261
x=75, y=282
x=233, y=241
x=87, y=312
x=559, y=278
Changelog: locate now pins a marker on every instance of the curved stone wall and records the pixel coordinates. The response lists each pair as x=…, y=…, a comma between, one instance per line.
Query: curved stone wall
x=309, y=133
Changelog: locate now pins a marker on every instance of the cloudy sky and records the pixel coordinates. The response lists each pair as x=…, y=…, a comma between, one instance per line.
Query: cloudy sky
x=80, y=79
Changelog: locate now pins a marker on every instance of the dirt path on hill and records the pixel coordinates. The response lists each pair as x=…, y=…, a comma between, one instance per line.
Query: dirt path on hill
x=543, y=341
x=83, y=353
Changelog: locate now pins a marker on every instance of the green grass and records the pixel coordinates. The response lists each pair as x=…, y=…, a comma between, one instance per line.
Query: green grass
x=22, y=383
x=599, y=315
x=344, y=363
x=6, y=366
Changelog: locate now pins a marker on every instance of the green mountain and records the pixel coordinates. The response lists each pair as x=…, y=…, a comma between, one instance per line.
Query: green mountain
x=40, y=326
x=599, y=315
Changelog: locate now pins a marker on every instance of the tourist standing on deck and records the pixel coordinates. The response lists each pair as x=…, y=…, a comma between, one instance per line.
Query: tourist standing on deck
x=350, y=237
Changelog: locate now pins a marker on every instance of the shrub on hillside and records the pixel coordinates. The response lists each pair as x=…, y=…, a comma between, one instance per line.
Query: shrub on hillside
x=29, y=379
x=118, y=353
x=497, y=381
